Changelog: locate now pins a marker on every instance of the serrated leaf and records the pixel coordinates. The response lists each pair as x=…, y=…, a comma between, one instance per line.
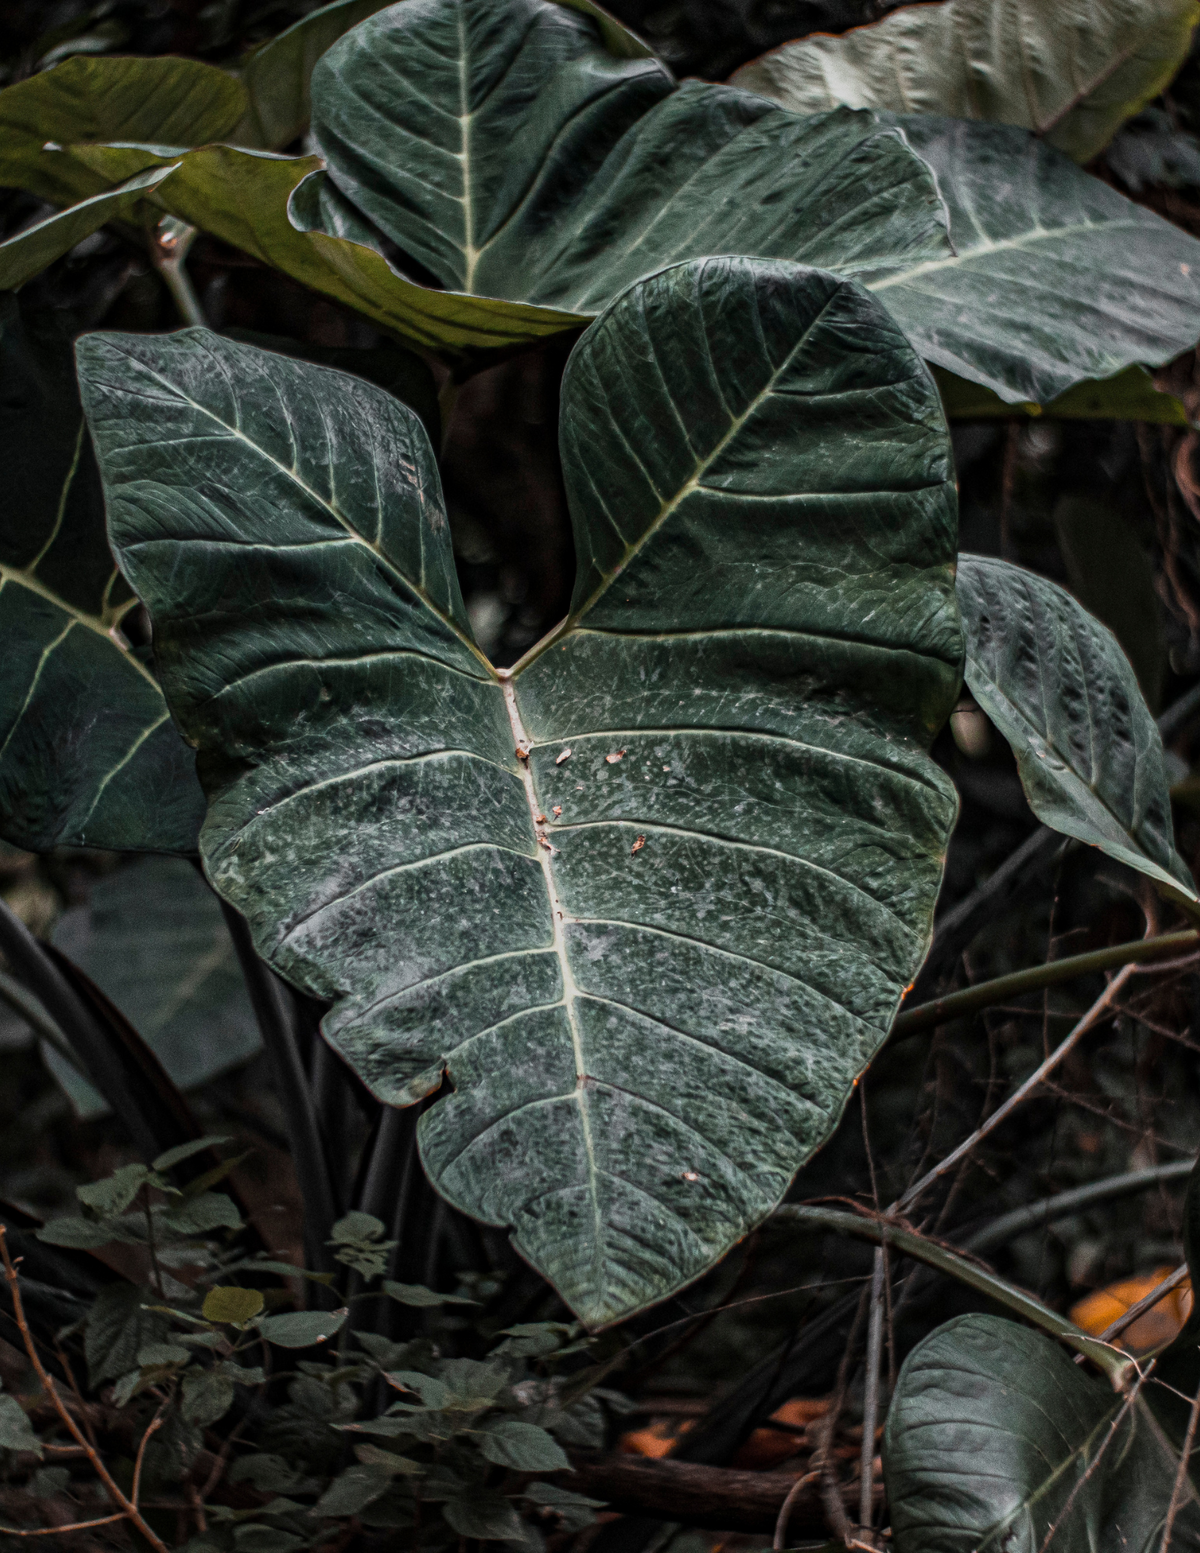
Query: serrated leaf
x=33, y=249
x=509, y=1442
x=1056, y=279
x=355, y=1229
x=1071, y=76
x=88, y=753
x=564, y=195
x=388, y=1461
x=16, y=1432
x=301, y=1328
x=80, y=1234
x=994, y=1437
x=207, y=1397
x=165, y=100
x=182, y=1151
x=1056, y=684
x=353, y=1489
x=702, y=1003
x=117, y=1329
x=232, y=1304
x=113, y=1195
x=483, y=1512
x=416, y=1294
x=198, y=1215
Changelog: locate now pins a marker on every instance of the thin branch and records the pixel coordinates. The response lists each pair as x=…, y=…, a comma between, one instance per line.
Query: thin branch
x=785, y=1509
x=1094, y=1014
x=1181, y=1474
x=169, y=244
x=985, y=994
x=1160, y=1292
x=874, y=1361
x=128, y=1506
x=1038, y=1214
x=57, y=1531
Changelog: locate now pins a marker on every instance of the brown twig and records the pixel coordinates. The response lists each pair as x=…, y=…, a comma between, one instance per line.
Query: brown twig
x=1159, y=1292
x=57, y=1531
x=785, y=1509
x=1181, y=1475
x=129, y=1509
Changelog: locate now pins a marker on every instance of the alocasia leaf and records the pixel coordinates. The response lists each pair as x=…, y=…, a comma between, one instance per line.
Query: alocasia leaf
x=88, y=753
x=1071, y=72
x=500, y=146
x=995, y=1439
x=29, y=252
x=648, y=900
x=1056, y=684
x=1055, y=278
x=169, y=101
x=1130, y=395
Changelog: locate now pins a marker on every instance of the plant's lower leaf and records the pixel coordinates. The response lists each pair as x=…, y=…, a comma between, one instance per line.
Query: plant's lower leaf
x=154, y=940
x=1072, y=73
x=1129, y=396
x=1056, y=684
x=994, y=1440
x=31, y=251
x=88, y=753
x=650, y=899
x=117, y=1329
x=166, y=100
x=1056, y=279
x=243, y=197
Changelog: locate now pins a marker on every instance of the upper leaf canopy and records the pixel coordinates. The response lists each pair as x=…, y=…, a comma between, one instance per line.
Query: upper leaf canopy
x=1072, y=72
x=648, y=901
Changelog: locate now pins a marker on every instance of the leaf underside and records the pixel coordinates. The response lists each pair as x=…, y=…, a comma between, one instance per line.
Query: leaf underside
x=88, y=753
x=1071, y=72
x=651, y=968
x=1058, y=687
x=994, y=1438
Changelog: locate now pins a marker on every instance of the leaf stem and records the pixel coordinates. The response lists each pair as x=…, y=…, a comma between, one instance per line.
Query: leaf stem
x=1034, y=1215
x=912, y=1021
x=874, y=1360
x=1116, y=1365
x=169, y=244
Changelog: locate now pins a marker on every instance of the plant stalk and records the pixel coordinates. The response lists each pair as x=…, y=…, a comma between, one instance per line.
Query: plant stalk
x=169, y=245
x=1115, y=1365
x=912, y=1021
x=1034, y=1215
x=874, y=1359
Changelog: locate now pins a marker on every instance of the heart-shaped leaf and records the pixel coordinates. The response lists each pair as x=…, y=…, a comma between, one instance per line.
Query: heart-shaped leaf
x=30, y=251
x=549, y=172
x=995, y=1439
x=1055, y=277
x=1056, y=684
x=88, y=753
x=1073, y=78
x=653, y=947
x=168, y=101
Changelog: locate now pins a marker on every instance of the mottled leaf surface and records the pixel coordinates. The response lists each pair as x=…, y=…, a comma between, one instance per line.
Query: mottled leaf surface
x=1072, y=71
x=1055, y=277
x=1058, y=687
x=88, y=753
x=503, y=148
x=995, y=1437
x=29, y=252
x=652, y=955
x=169, y=101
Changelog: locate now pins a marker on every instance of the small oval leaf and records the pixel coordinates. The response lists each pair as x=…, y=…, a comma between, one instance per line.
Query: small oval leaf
x=234, y=1305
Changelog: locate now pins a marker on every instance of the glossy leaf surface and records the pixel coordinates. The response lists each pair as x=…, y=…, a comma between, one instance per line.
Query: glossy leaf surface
x=153, y=938
x=994, y=1438
x=1056, y=684
x=653, y=955
x=29, y=252
x=88, y=753
x=1072, y=72
x=503, y=148
x=1055, y=277
x=171, y=102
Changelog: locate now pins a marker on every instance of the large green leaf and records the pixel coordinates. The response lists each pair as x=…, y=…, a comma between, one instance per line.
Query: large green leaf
x=153, y=938
x=994, y=1438
x=174, y=102
x=29, y=252
x=501, y=146
x=1056, y=684
x=1055, y=277
x=1129, y=396
x=1071, y=73
x=88, y=753
x=652, y=950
